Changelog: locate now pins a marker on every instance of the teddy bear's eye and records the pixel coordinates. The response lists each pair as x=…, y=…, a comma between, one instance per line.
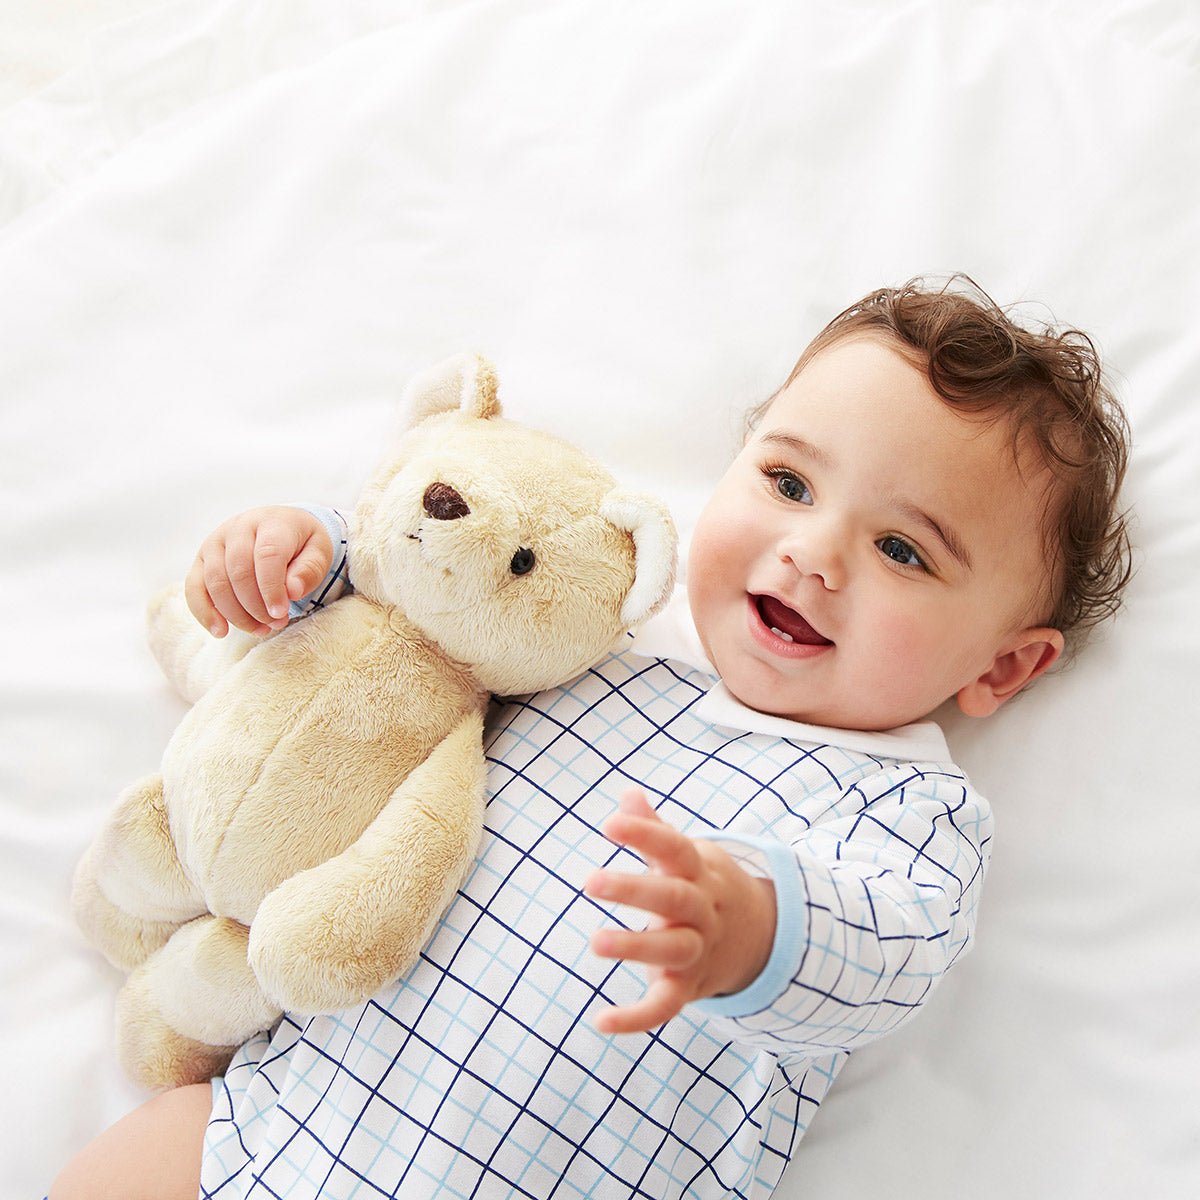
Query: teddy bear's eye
x=522, y=562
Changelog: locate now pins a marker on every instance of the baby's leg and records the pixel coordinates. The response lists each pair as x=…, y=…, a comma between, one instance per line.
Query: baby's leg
x=151, y=1154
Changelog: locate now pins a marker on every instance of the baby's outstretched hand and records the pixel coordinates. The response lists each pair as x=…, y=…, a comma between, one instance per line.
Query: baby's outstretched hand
x=251, y=566
x=712, y=924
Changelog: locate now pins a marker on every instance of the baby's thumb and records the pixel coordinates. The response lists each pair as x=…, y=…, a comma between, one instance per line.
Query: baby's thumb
x=309, y=567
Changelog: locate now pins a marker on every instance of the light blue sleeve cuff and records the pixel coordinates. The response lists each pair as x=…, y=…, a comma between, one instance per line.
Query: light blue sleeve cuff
x=791, y=930
x=335, y=526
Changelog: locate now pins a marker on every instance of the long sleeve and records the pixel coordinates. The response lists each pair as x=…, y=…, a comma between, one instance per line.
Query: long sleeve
x=876, y=900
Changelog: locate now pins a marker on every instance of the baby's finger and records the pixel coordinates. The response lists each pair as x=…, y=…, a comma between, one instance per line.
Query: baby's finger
x=674, y=949
x=310, y=566
x=200, y=603
x=241, y=600
x=657, y=842
x=217, y=587
x=634, y=802
x=677, y=901
x=274, y=547
x=663, y=1000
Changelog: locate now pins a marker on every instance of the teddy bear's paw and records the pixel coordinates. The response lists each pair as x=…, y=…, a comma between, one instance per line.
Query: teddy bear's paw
x=202, y=986
x=191, y=659
x=153, y=1054
x=316, y=963
x=311, y=980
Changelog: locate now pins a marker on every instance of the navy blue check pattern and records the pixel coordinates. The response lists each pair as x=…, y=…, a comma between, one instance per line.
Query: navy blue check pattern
x=481, y=1075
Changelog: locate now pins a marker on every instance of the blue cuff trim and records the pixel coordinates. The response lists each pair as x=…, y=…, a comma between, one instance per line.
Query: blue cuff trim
x=791, y=931
x=335, y=526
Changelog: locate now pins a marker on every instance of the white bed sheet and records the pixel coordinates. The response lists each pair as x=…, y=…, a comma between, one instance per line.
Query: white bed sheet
x=229, y=237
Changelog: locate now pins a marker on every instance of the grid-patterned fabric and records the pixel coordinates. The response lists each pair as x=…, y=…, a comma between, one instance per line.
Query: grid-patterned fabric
x=480, y=1074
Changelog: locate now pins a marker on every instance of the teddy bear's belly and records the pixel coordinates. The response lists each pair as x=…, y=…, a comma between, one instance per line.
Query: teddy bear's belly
x=273, y=772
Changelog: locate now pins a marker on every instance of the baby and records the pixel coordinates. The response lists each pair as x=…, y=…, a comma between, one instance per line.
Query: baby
x=924, y=511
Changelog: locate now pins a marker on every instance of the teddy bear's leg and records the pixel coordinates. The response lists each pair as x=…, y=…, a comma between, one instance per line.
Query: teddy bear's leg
x=331, y=936
x=191, y=659
x=184, y=1011
x=131, y=892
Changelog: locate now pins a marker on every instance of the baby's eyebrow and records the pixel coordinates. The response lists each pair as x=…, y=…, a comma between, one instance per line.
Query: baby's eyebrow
x=798, y=445
x=943, y=532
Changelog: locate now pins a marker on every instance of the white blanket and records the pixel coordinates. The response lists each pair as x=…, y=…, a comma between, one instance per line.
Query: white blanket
x=230, y=236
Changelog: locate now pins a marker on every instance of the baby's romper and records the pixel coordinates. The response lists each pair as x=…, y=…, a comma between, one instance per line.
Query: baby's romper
x=480, y=1073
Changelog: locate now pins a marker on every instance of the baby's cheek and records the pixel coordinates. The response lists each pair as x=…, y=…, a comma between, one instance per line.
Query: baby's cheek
x=911, y=650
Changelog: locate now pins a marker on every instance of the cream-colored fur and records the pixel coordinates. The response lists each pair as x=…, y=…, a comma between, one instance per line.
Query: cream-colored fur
x=321, y=802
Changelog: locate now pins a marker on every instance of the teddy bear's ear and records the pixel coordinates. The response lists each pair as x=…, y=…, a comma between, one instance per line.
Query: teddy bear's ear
x=466, y=382
x=654, y=540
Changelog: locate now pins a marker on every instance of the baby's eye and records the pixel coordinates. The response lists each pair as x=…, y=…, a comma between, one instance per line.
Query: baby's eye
x=790, y=486
x=900, y=551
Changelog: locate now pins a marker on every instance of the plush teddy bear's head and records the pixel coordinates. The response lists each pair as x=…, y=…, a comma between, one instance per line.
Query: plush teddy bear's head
x=509, y=548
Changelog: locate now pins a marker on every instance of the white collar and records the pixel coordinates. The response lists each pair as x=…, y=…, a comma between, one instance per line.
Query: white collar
x=672, y=634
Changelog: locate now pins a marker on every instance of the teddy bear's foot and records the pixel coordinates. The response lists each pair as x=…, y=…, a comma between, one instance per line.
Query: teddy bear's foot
x=153, y=1054
x=130, y=892
x=124, y=940
x=184, y=1011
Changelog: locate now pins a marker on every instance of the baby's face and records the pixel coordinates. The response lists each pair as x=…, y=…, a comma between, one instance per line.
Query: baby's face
x=870, y=552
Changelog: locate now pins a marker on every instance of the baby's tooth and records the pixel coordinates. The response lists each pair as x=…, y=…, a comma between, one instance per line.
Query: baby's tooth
x=779, y=633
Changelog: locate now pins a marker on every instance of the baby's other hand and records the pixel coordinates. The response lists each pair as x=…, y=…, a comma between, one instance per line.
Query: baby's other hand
x=251, y=566
x=711, y=924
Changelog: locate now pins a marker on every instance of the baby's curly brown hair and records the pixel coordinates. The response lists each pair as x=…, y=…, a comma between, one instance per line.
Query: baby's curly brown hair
x=1048, y=383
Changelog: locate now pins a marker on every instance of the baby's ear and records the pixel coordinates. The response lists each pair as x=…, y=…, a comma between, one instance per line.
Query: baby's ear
x=654, y=542
x=466, y=382
x=1021, y=660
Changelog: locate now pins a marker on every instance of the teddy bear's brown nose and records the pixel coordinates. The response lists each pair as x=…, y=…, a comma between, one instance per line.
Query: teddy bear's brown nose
x=443, y=503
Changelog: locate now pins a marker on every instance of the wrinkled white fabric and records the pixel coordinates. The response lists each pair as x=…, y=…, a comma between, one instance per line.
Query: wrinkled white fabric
x=230, y=238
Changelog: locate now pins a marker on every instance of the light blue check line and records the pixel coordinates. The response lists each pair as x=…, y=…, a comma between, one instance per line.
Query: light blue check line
x=385, y=1145
x=625, y=1138
x=583, y=777
x=481, y=1116
x=921, y=902
x=295, y=1160
x=570, y=1102
x=469, y=1147
x=667, y=1087
x=531, y=902
x=854, y=958
x=706, y=1119
x=922, y=981
x=533, y=1160
x=638, y=1118
x=509, y=740
x=616, y=741
x=437, y=1005
x=566, y=844
x=515, y=1079
x=821, y=949
x=430, y=1128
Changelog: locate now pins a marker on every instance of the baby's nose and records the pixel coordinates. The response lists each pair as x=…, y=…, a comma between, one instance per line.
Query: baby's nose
x=820, y=554
x=443, y=503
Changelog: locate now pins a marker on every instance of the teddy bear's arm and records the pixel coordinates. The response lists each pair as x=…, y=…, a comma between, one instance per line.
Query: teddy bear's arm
x=191, y=659
x=333, y=935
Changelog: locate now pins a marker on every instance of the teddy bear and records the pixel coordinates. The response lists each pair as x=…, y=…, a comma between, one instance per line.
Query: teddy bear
x=321, y=802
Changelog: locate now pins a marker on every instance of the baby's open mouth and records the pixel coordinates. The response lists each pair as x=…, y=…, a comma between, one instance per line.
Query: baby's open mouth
x=787, y=624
